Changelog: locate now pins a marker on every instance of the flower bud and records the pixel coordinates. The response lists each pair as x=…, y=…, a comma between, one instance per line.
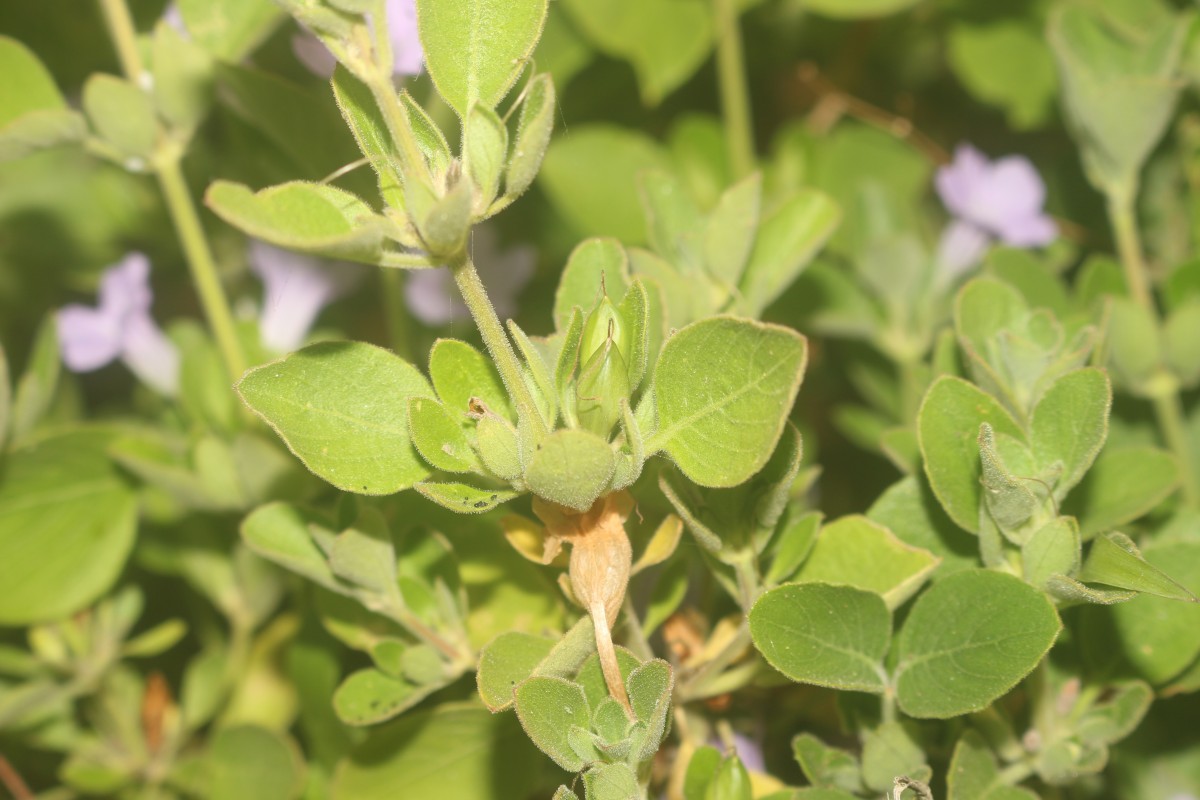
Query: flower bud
x=602, y=326
x=731, y=782
x=602, y=384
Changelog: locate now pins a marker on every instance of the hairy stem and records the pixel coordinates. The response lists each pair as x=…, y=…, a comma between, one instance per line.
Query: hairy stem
x=498, y=345
x=179, y=204
x=1168, y=407
x=735, y=98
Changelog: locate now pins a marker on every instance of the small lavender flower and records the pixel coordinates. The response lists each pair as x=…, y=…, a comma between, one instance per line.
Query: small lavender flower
x=120, y=326
x=407, y=55
x=433, y=298
x=1000, y=200
x=296, y=287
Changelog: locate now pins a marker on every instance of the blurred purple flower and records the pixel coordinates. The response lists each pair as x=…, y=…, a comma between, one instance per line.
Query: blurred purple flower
x=990, y=200
x=407, y=56
x=433, y=298
x=295, y=289
x=174, y=17
x=120, y=326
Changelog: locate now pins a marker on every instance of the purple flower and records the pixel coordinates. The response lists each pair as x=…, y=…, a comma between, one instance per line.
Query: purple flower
x=747, y=749
x=434, y=300
x=407, y=56
x=1000, y=200
x=296, y=288
x=120, y=326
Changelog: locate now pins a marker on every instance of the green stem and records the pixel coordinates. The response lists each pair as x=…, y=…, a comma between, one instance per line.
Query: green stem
x=398, y=323
x=1168, y=406
x=694, y=688
x=124, y=38
x=496, y=340
x=203, y=268
x=1129, y=246
x=735, y=99
x=179, y=204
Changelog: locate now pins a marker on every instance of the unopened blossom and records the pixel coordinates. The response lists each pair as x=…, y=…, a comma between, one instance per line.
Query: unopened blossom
x=119, y=326
x=296, y=287
x=990, y=201
x=407, y=55
x=433, y=298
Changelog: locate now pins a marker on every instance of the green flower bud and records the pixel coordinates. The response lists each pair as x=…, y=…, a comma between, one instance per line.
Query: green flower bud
x=602, y=325
x=603, y=383
x=731, y=782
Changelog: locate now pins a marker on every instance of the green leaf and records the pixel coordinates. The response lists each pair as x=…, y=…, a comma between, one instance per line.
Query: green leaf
x=1159, y=637
x=547, y=708
x=969, y=639
x=33, y=113
x=29, y=86
x=787, y=240
x=889, y=751
x=973, y=771
x=230, y=29
x=664, y=40
x=723, y=388
x=792, y=546
x=1052, y=550
x=486, y=153
x=453, y=750
x=731, y=229
x=825, y=766
x=1119, y=86
x=445, y=226
x=596, y=268
x=650, y=686
x=534, y=127
x=460, y=372
x=1121, y=486
x=67, y=524
x=281, y=533
x=252, y=763
x=314, y=218
x=611, y=782
x=571, y=468
x=371, y=132
x=438, y=435
x=832, y=636
x=341, y=407
x=183, y=78
x=475, y=49
x=38, y=385
x=464, y=498
x=122, y=115
x=1113, y=719
x=1181, y=340
x=910, y=511
x=5, y=399
x=591, y=177
x=1114, y=560
x=369, y=696
x=1006, y=64
x=505, y=662
x=1134, y=346
x=1070, y=423
x=365, y=555
x=499, y=449
x=948, y=428
x=853, y=551
x=675, y=224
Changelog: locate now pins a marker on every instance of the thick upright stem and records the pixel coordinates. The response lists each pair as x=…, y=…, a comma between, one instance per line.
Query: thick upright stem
x=124, y=38
x=202, y=266
x=496, y=340
x=1168, y=407
x=735, y=99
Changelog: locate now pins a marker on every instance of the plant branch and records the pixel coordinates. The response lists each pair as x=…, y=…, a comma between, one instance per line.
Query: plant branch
x=396, y=313
x=124, y=39
x=735, y=100
x=496, y=340
x=202, y=265
x=13, y=782
x=1168, y=407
